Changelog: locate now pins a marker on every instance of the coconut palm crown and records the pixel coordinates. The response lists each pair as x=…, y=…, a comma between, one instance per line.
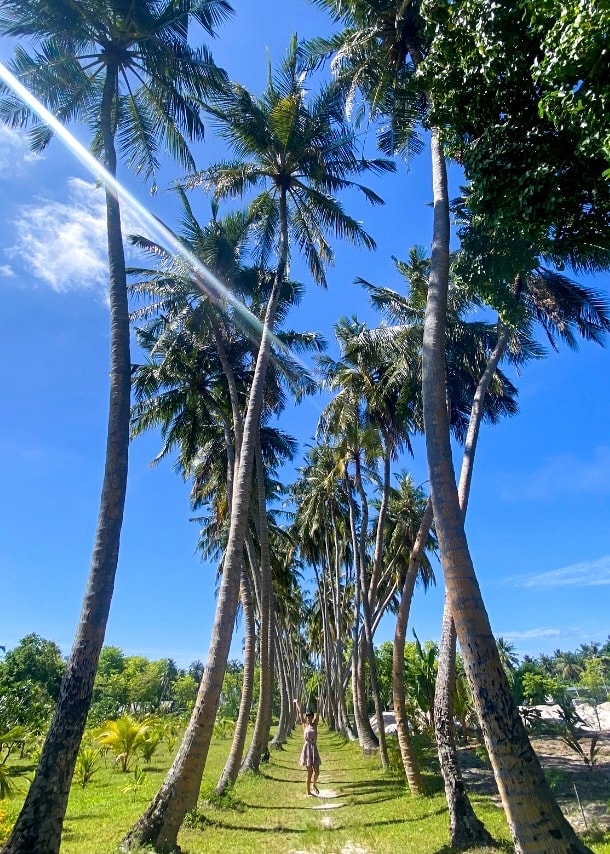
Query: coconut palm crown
x=295, y=146
x=133, y=55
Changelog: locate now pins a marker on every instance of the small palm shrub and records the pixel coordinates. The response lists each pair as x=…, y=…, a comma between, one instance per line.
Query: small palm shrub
x=152, y=739
x=223, y=728
x=87, y=764
x=137, y=781
x=7, y=784
x=125, y=737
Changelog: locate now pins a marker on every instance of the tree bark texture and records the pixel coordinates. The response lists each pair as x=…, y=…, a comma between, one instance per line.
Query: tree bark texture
x=161, y=821
x=465, y=829
x=233, y=763
x=39, y=824
x=535, y=820
x=409, y=760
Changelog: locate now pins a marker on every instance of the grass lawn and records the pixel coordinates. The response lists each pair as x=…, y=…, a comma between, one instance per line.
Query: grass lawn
x=361, y=810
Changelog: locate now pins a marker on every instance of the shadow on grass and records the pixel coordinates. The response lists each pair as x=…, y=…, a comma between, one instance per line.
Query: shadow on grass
x=253, y=828
x=502, y=846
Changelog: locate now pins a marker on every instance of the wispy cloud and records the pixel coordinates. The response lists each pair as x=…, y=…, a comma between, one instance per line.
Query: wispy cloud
x=14, y=152
x=594, y=573
x=6, y=271
x=563, y=474
x=63, y=244
x=531, y=633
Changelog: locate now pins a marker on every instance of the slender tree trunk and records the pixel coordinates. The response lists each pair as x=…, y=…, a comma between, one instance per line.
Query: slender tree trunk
x=232, y=765
x=536, y=822
x=39, y=824
x=465, y=829
x=366, y=736
x=366, y=619
x=161, y=821
x=283, y=727
x=260, y=736
x=409, y=759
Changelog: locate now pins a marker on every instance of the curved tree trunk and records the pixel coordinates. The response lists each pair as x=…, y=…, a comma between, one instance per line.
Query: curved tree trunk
x=366, y=734
x=231, y=769
x=159, y=824
x=407, y=754
x=39, y=824
x=535, y=820
x=465, y=829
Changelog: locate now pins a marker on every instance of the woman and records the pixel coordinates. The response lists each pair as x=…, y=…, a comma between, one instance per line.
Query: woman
x=310, y=758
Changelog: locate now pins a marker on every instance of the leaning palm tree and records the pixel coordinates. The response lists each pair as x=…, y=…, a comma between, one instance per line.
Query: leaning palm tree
x=296, y=149
x=386, y=43
x=194, y=387
x=126, y=71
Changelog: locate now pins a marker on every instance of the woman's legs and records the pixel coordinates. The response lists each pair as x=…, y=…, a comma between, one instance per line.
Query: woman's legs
x=309, y=775
x=316, y=773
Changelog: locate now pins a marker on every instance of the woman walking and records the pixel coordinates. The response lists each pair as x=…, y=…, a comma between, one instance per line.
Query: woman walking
x=310, y=757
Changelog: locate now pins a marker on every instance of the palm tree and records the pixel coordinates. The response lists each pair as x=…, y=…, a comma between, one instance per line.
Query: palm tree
x=182, y=389
x=297, y=149
x=124, y=736
x=391, y=47
x=321, y=529
x=397, y=343
x=127, y=72
x=382, y=413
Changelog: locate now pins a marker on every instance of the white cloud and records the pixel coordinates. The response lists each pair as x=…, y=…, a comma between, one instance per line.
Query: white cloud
x=14, y=152
x=531, y=633
x=6, y=271
x=593, y=573
x=63, y=244
x=563, y=474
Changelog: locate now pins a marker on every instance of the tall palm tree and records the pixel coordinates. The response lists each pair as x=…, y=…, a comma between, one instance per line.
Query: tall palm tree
x=126, y=71
x=182, y=389
x=392, y=46
x=469, y=342
x=296, y=148
x=387, y=417
x=321, y=529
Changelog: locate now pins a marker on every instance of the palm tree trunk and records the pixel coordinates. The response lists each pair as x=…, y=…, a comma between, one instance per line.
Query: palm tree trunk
x=283, y=727
x=409, y=760
x=232, y=765
x=366, y=619
x=465, y=828
x=535, y=820
x=260, y=736
x=39, y=824
x=366, y=736
x=159, y=824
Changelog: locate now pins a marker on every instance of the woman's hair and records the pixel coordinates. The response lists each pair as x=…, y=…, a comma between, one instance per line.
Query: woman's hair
x=309, y=713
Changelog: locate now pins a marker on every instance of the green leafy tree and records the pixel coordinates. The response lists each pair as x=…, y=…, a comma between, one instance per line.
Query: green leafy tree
x=126, y=71
x=184, y=689
x=572, y=71
x=36, y=660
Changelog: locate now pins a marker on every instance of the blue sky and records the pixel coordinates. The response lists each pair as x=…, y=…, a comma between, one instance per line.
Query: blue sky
x=538, y=513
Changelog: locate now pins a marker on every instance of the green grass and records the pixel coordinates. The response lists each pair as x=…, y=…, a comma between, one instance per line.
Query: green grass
x=269, y=812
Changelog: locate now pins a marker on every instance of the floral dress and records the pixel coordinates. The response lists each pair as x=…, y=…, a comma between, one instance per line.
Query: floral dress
x=309, y=753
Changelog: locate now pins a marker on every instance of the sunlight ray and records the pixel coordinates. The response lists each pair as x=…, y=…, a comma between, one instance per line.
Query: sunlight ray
x=205, y=280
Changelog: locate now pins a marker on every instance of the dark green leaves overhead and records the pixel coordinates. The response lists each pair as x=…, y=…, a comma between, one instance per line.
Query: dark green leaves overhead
x=528, y=176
